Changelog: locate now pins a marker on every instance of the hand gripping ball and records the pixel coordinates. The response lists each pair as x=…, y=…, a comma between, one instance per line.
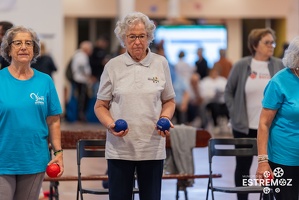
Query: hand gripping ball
x=53, y=170
x=163, y=124
x=120, y=125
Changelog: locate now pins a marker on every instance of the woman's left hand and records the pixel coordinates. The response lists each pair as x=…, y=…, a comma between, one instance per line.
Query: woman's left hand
x=165, y=133
x=58, y=159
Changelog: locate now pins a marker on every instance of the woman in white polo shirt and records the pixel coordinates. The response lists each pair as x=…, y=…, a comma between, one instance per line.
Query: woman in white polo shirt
x=135, y=86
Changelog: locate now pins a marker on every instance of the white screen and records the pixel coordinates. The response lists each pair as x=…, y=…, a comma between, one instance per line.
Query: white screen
x=191, y=37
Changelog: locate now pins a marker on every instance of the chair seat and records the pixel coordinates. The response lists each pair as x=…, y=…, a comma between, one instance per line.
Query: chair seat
x=95, y=191
x=247, y=189
x=103, y=191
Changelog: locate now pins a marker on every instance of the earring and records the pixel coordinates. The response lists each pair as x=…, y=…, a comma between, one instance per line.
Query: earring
x=297, y=68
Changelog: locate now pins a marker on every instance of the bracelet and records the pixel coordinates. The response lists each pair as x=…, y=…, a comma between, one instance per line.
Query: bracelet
x=262, y=158
x=109, y=126
x=165, y=117
x=58, y=151
x=262, y=161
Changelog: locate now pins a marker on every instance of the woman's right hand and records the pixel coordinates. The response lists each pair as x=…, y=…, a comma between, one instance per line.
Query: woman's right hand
x=263, y=171
x=118, y=134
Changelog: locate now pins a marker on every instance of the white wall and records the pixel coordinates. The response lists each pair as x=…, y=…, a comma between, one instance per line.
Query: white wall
x=46, y=18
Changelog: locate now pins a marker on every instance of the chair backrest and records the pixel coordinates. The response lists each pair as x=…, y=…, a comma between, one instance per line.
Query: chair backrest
x=90, y=149
x=232, y=147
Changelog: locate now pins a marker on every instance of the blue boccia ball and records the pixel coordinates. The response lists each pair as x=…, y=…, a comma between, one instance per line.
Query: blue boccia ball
x=163, y=124
x=120, y=125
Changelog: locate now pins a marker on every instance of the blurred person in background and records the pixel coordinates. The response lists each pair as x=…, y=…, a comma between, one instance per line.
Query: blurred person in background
x=4, y=26
x=183, y=69
x=284, y=47
x=81, y=72
x=244, y=92
x=223, y=65
x=97, y=58
x=201, y=64
x=212, y=92
x=44, y=62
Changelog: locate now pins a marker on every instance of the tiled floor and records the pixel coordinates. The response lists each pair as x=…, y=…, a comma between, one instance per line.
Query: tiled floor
x=197, y=192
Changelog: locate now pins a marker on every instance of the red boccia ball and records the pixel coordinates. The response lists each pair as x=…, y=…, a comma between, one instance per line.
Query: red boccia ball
x=53, y=170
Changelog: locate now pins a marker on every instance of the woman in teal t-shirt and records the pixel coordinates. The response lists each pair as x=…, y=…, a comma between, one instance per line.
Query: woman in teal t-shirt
x=29, y=113
x=278, y=132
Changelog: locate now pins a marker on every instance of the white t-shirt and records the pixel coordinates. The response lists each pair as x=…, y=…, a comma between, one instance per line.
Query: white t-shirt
x=254, y=91
x=81, y=67
x=212, y=90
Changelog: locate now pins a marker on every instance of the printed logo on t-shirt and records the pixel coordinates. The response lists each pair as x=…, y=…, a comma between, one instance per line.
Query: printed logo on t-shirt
x=254, y=75
x=38, y=99
x=154, y=79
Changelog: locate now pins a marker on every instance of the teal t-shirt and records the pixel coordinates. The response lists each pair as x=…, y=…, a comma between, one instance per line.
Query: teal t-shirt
x=282, y=94
x=24, y=108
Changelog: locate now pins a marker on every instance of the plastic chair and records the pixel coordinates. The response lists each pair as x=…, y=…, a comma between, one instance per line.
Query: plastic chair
x=225, y=147
x=91, y=149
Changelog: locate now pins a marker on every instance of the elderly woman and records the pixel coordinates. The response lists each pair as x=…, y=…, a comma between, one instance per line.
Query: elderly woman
x=278, y=135
x=244, y=92
x=29, y=114
x=135, y=86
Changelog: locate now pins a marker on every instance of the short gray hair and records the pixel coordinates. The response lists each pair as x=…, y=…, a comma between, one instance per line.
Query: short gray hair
x=9, y=36
x=291, y=54
x=131, y=19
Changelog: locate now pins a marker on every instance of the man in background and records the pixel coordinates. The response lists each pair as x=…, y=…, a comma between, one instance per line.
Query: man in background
x=201, y=64
x=223, y=66
x=97, y=58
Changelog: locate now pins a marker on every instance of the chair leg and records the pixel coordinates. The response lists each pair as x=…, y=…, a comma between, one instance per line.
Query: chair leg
x=177, y=191
x=207, y=195
x=54, y=193
x=51, y=191
x=208, y=190
x=77, y=198
x=186, y=193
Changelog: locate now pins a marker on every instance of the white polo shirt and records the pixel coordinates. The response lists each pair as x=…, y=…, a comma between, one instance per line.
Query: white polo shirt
x=135, y=91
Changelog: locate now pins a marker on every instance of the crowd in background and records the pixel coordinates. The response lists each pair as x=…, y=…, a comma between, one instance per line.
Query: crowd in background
x=195, y=105
x=199, y=88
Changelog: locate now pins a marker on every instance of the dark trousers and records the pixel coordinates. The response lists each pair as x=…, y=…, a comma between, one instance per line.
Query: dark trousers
x=82, y=95
x=181, y=117
x=217, y=109
x=121, y=179
x=243, y=164
x=289, y=190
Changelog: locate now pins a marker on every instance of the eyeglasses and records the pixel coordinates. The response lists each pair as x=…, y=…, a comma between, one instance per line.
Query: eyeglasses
x=141, y=38
x=19, y=43
x=267, y=43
